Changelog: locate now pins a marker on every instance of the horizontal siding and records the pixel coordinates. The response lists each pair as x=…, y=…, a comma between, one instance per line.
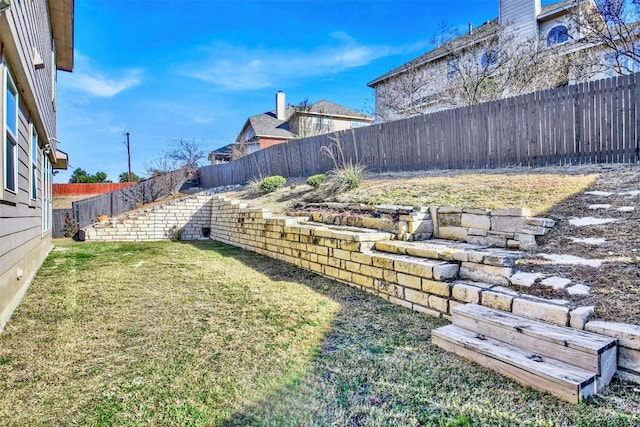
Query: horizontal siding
x=23, y=245
x=30, y=25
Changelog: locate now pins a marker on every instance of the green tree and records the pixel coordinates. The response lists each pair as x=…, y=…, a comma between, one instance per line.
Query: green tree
x=79, y=175
x=124, y=177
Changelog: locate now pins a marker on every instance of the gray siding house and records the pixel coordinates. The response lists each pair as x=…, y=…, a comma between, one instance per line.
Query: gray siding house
x=36, y=38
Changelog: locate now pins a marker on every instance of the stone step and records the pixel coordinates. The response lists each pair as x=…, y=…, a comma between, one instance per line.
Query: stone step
x=420, y=267
x=447, y=250
x=545, y=374
x=589, y=351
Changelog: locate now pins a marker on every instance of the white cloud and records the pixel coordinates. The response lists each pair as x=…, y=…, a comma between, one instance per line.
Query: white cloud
x=102, y=86
x=86, y=79
x=235, y=68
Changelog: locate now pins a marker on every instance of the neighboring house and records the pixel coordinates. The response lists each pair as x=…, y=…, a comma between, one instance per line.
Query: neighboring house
x=459, y=71
x=222, y=154
x=289, y=122
x=37, y=40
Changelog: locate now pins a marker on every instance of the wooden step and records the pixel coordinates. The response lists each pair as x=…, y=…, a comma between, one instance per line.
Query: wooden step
x=593, y=352
x=544, y=374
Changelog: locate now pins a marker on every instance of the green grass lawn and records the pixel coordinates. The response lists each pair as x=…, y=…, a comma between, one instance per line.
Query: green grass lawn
x=206, y=334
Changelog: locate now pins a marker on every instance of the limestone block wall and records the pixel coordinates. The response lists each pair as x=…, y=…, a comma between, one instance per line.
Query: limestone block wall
x=502, y=228
x=430, y=286
x=184, y=219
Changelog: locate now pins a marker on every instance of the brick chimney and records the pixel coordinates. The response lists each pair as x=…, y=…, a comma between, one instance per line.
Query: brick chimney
x=281, y=106
x=521, y=17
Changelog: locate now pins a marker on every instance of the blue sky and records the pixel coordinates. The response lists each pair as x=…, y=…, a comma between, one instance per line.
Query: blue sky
x=165, y=70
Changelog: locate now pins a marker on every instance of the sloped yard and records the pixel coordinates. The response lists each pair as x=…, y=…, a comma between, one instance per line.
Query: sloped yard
x=207, y=334
x=562, y=193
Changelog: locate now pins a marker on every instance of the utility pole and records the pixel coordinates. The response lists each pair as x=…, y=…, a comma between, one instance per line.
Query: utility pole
x=128, y=157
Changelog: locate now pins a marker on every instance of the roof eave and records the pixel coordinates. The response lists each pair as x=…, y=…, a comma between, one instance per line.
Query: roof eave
x=555, y=12
x=61, y=12
x=402, y=69
x=337, y=116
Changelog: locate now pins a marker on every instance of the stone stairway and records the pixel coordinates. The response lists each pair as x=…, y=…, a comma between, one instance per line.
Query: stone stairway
x=477, y=263
x=567, y=363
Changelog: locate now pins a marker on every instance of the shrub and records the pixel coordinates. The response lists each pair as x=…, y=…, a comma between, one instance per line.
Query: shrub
x=70, y=228
x=316, y=180
x=272, y=183
x=347, y=177
x=253, y=185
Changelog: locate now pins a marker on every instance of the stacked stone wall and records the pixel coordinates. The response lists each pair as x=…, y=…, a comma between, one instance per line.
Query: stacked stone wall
x=184, y=219
x=501, y=228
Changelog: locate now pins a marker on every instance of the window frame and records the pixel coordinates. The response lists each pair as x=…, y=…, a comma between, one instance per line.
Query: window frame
x=47, y=177
x=557, y=35
x=452, y=66
x=490, y=58
x=34, y=151
x=9, y=138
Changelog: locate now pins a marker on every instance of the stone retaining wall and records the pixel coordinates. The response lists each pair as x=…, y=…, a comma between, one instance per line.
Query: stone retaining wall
x=502, y=228
x=186, y=219
x=426, y=286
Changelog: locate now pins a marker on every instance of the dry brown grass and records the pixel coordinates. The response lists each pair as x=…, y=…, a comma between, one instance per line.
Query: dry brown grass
x=207, y=334
x=536, y=189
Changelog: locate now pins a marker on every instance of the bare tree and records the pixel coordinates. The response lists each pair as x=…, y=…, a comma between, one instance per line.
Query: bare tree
x=306, y=121
x=501, y=65
x=238, y=150
x=165, y=179
x=186, y=155
x=489, y=64
x=610, y=28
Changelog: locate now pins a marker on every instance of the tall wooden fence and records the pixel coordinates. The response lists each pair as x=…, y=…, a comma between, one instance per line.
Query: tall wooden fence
x=58, y=221
x=593, y=122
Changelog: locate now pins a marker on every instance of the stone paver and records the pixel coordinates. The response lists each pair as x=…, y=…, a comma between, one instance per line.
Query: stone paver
x=556, y=282
x=572, y=260
x=522, y=278
x=581, y=222
x=579, y=289
x=588, y=240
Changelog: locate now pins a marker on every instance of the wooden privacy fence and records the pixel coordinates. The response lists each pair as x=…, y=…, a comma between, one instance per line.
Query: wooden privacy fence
x=593, y=122
x=58, y=221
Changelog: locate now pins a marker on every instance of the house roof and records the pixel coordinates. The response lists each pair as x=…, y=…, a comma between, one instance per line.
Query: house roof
x=61, y=12
x=328, y=108
x=487, y=29
x=268, y=125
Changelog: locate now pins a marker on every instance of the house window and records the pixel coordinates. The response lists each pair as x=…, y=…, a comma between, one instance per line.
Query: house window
x=490, y=57
x=557, y=35
x=34, y=163
x=321, y=125
x=356, y=124
x=46, y=194
x=452, y=66
x=10, y=134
